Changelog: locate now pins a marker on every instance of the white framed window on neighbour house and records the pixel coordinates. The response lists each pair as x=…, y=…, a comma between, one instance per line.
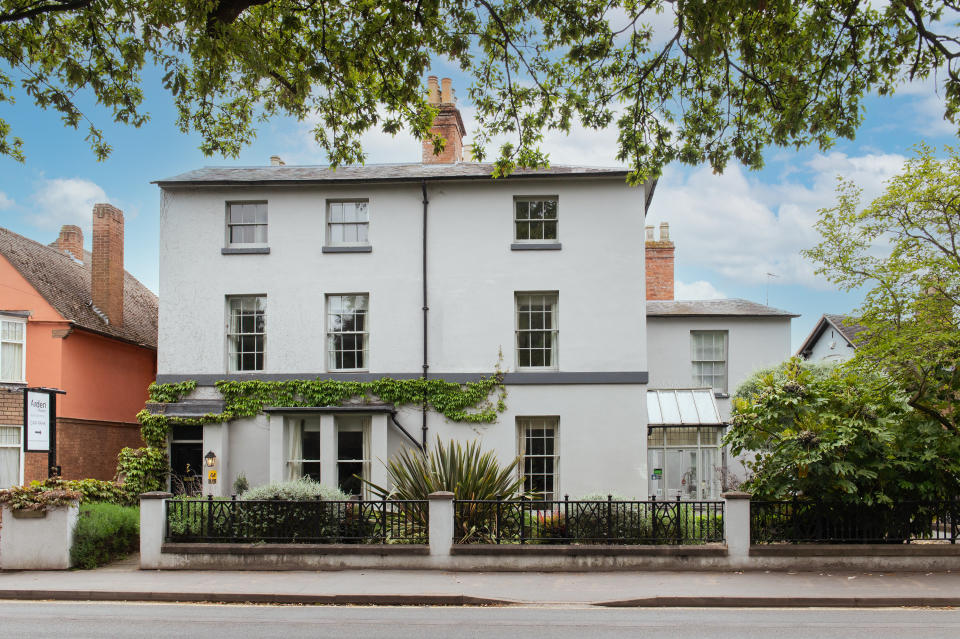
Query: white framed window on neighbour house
x=537, y=448
x=709, y=359
x=13, y=350
x=348, y=333
x=246, y=224
x=535, y=219
x=246, y=333
x=537, y=331
x=348, y=223
x=11, y=458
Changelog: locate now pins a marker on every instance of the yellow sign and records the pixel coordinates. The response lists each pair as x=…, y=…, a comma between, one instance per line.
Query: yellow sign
x=211, y=476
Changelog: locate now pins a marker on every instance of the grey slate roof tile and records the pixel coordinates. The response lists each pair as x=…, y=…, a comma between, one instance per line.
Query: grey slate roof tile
x=65, y=284
x=725, y=307
x=292, y=175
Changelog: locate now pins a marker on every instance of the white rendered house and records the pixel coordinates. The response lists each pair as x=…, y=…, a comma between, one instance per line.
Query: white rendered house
x=358, y=273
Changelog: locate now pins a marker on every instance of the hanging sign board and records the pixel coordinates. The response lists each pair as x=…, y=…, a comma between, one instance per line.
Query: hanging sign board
x=38, y=417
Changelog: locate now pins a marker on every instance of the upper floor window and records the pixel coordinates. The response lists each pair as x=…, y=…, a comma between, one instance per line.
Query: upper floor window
x=246, y=223
x=348, y=222
x=246, y=333
x=347, y=332
x=709, y=358
x=537, y=330
x=535, y=219
x=13, y=340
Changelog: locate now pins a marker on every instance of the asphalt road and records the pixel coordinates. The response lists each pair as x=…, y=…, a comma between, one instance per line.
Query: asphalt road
x=23, y=619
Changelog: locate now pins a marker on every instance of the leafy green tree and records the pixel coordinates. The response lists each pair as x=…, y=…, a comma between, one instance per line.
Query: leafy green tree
x=840, y=436
x=904, y=250
x=720, y=79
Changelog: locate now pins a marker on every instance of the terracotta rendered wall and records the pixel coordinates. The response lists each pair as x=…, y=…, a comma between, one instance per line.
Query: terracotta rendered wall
x=105, y=380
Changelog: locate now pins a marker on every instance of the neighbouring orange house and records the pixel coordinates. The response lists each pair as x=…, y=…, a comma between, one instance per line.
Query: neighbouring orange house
x=76, y=321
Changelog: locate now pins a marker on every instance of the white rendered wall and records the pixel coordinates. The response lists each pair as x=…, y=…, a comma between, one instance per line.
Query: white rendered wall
x=38, y=544
x=752, y=343
x=473, y=275
x=831, y=347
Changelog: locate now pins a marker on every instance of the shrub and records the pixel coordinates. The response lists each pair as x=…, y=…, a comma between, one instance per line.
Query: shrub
x=104, y=533
x=297, y=490
x=240, y=484
x=143, y=470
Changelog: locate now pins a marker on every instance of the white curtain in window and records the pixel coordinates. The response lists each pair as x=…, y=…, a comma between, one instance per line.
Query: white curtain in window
x=295, y=451
x=11, y=362
x=9, y=467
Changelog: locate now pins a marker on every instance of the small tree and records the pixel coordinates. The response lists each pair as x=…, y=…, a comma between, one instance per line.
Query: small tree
x=841, y=436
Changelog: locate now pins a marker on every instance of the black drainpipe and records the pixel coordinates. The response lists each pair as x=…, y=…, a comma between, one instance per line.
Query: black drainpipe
x=426, y=309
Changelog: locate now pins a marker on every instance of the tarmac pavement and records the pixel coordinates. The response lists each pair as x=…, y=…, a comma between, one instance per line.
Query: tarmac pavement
x=124, y=581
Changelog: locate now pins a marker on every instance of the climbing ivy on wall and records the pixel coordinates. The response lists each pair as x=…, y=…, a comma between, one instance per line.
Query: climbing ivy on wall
x=470, y=402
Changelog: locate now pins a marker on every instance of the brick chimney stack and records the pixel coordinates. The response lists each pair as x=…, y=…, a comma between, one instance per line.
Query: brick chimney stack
x=448, y=124
x=71, y=241
x=659, y=263
x=107, y=271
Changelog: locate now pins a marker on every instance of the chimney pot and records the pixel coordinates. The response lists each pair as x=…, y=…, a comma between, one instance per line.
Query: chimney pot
x=446, y=96
x=664, y=232
x=650, y=236
x=433, y=93
x=106, y=272
x=275, y=160
x=71, y=241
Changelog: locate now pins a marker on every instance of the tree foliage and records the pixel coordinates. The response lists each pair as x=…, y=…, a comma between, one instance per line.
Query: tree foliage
x=714, y=80
x=841, y=436
x=904, y=250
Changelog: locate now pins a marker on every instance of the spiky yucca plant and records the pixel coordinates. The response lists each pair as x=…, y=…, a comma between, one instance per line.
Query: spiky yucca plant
x=463, y=470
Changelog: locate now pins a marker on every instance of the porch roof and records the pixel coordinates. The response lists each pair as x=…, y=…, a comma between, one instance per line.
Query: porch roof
x=352, y=408
x=682, y=407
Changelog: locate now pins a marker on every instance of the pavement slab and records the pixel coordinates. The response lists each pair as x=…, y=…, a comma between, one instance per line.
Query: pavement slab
x=125, y=582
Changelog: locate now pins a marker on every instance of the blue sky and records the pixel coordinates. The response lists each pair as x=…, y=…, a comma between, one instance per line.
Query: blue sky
x=731, y=230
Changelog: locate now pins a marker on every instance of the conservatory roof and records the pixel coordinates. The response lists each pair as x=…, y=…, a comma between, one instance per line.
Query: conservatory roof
x=682, y=407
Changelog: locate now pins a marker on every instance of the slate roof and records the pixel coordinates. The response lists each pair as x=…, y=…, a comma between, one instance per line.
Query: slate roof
x=303, y=175
x=724, y=307
x=65, y=284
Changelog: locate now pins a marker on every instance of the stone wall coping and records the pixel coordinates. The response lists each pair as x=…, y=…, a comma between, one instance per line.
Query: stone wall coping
x=856, y=550
x=591, y=550
x=156, y=494
x=736, y=494
x=180, y=548
x=441, y=494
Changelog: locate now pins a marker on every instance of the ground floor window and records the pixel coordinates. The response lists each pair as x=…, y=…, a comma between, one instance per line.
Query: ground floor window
x=538, y=452
x=10, y=456
x=685, y=461
x=303, y=458
x=353, y=449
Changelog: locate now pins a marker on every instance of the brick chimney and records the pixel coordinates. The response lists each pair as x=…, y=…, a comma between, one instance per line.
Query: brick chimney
x=107, y=271
x=659, y=264
x=448, y=124
x=71, y=241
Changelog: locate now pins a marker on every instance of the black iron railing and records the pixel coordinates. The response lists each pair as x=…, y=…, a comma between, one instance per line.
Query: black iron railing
x=811, y=521
x=313, y=521
x=588, y=522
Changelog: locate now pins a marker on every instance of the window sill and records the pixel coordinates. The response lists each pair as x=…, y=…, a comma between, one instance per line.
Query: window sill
x=722, y=395
x=538, y=246
x=253, y=250
x=347, y=249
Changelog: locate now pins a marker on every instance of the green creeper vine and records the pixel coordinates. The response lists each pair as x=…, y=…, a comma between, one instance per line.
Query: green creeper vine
x=468, y=402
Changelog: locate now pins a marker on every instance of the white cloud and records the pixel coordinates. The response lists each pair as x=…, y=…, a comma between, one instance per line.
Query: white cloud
x=699, y=290
x=64, y=201
x=743, y=229
x=5, y=201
